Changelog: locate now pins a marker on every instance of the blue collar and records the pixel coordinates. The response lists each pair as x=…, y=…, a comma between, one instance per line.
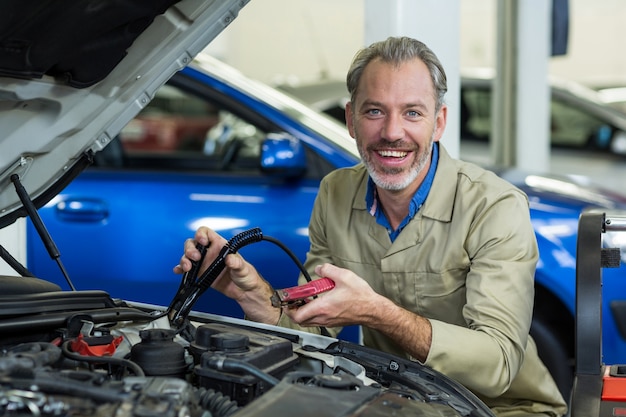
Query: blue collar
x=371, y=198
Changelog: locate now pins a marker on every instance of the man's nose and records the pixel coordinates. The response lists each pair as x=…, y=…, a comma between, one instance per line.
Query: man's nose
x=393, y=128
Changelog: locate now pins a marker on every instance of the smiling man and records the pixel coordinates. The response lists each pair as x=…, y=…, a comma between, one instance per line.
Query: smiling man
x=433, y=257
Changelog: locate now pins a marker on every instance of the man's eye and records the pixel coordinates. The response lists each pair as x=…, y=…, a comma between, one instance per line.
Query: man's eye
x=412, y=113
x=373, y=112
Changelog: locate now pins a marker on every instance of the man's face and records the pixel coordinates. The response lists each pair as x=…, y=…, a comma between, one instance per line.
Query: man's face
x=394, y=123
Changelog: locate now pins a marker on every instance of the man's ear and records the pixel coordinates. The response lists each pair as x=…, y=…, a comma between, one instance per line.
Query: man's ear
x=349, y=118
x=440, y=122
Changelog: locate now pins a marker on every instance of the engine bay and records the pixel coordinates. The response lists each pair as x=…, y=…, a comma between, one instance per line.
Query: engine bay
x=83, y=353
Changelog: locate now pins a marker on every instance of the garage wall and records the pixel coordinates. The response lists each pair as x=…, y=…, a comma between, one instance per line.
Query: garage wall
x=275, y=40
x=278, y=40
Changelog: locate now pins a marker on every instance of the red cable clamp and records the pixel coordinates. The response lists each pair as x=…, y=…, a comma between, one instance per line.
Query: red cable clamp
x=94, y=347
x=297, y=296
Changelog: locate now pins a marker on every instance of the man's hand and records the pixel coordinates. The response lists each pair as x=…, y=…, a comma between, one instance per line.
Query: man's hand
x=353, y=301
x=346, y=304
x=239, y=280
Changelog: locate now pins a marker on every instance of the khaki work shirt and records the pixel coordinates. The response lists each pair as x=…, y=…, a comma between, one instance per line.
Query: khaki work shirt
x=466, y=262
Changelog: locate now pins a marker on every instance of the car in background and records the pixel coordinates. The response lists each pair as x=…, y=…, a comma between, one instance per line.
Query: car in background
x=614, y=96
x=587, y=135
x=259, y=164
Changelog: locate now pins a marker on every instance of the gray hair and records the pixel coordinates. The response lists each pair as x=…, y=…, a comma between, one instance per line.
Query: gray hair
x=397, y=50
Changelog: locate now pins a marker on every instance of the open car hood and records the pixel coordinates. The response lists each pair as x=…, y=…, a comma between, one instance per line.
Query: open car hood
x=74, y=73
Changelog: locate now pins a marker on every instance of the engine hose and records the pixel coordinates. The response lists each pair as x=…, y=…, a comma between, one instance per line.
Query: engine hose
x=222, y=363
x=109, y=360
x=216, y=403
x=30, y=355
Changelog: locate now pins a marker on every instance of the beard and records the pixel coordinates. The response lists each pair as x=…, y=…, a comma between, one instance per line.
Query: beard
x=396, y=179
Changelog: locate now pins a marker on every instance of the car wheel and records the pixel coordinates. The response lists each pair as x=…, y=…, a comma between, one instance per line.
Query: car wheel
x=554, y=355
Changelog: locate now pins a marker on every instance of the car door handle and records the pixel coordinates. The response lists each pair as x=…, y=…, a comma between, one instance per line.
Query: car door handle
x=82, y=210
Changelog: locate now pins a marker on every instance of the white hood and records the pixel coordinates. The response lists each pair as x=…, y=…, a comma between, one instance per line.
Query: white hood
x=74, y=73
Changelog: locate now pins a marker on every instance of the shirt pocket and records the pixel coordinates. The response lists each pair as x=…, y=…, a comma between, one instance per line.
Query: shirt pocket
x=440, y=296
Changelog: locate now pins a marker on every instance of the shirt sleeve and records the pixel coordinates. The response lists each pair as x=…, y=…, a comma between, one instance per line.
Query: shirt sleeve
x=487, y=355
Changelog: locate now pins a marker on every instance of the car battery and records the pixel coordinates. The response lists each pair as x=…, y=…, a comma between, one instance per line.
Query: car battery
x=599, y=389
x=232, y=362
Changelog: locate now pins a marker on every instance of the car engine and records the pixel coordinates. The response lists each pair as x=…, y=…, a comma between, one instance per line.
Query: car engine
x=83, y=353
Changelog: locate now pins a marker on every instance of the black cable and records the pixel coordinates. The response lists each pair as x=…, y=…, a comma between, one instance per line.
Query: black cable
x=136, y=369
x=77, y=389
x=222, y=363
x=14, y=263
x=291, y=255
x=232, y=246
x=191, y=288
x=303, y=270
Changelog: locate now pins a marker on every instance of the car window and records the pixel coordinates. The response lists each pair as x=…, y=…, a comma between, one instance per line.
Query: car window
x=573, y=127
x=173, y=121
x=570, y=126
x=476, y=113
x=182, y=129
x=200, y=125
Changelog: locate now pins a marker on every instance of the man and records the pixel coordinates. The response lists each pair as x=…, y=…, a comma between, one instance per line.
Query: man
x=433, y=257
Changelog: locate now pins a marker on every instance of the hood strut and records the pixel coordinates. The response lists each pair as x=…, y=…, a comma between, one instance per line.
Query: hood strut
x=53, y=251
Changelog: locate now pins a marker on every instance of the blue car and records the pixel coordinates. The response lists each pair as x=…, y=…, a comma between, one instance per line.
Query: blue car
x=218, y=149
